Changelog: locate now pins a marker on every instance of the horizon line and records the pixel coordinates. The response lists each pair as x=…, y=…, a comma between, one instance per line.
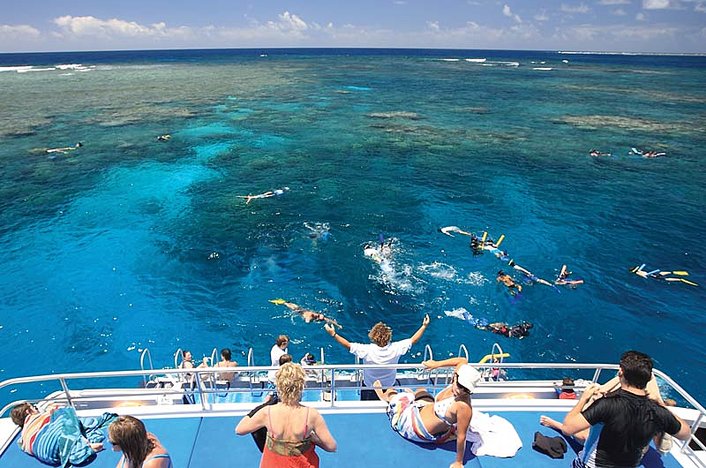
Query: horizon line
x=557, y=51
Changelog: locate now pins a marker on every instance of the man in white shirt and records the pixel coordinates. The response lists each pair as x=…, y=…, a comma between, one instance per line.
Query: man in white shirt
x=278, y=350
x=380, y=351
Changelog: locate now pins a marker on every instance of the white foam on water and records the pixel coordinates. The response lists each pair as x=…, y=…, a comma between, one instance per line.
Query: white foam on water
x=70, y=66
x=16, y=69
x=476, y=278
x=449, y=59
x=475, y=60
x=501, y=64
x=32, y=69
x=459, y=313
x=440, y=270
x=543, y=68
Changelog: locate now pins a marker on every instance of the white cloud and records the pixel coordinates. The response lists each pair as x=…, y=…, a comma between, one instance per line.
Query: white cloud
x=399, y=2
x=289, y=21
x=700, y=8
x=22, y=30
x=614, y=2
x=655, y=4
x=288, y=28
x=508, y=12
x=641, y=17
x=433, y=25
x=619, y=12
x=89, y=26
x=541, y=16
x=582, y=8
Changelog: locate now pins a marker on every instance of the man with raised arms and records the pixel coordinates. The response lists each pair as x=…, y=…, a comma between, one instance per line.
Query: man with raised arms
x=382, y=350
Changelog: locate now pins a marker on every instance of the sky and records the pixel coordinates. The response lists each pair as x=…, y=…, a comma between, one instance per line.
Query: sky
x=661, y=26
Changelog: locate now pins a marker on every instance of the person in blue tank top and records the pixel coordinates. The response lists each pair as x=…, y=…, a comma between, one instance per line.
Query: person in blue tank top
x=141, y=449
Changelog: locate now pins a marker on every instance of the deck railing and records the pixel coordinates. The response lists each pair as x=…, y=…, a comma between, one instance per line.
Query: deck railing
x=326, y=380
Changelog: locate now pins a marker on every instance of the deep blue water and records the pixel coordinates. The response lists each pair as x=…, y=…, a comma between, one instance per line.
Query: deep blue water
x=129, y=243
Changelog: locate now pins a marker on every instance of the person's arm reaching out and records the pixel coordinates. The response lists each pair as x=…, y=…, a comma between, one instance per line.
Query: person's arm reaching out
x=418, y=334
x=332, y=331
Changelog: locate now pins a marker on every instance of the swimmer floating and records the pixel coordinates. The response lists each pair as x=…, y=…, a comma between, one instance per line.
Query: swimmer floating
x=268, y=194
x=672, y=276
x=519, y=330
x=646, y=154
x=307, y=314
x=564, y=280
x=65, y=149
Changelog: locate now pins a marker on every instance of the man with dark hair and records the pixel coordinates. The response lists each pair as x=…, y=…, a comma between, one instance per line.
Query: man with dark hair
x=622, y=422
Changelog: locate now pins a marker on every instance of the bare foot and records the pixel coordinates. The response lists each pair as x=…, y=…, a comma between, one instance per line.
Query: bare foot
x=546, y=421
x=96, y=447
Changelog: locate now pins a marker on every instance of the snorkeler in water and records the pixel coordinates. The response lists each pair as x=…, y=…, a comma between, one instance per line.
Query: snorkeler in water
x=165, y=137
x=268, y=194
x=595, y=153
x=65, y=149
x=318, y=231
x=672, y=276
x=519, y=330
x=507, y=280
x=563, y=278
x=307, y=314
x=646, y=154
x=652, y=154
x=476, y=245
x=531, y=276
x=449, y=229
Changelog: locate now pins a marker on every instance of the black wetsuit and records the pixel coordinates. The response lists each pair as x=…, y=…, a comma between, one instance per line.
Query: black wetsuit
x=622, y=425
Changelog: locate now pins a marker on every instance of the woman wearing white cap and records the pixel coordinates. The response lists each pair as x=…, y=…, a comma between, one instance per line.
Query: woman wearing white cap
x=419, y=417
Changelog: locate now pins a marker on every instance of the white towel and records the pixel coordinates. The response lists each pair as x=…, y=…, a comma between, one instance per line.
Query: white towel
x=493, y=436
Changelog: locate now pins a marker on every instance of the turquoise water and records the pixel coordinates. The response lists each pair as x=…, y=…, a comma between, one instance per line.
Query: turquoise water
x=129, y=243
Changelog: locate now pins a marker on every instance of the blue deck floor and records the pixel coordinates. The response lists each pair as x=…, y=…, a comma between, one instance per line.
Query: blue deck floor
x=364, y=440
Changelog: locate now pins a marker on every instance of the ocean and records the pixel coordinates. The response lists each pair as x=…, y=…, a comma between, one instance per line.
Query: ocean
x=129, y=243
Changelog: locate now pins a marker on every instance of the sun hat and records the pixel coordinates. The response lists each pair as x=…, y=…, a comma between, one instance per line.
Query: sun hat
x=468, y=376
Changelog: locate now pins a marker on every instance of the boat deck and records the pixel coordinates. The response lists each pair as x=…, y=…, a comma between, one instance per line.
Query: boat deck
x=364, y=440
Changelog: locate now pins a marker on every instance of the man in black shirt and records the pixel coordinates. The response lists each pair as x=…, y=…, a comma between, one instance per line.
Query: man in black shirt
x=622, y=422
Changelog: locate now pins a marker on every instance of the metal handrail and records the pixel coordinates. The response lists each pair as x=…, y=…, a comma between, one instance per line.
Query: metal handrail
x=429, y=353
x=65, y=377
x=146, y=352
x=462, y=351
x=251, y=357
x=178, y=354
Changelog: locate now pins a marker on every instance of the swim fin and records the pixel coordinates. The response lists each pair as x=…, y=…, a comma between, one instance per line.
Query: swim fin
x=277, y=301
x=690, y=283
x=681, y=273
x=497, y=244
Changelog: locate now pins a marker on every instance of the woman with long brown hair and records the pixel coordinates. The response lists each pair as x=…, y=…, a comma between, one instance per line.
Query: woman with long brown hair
x=141, y=449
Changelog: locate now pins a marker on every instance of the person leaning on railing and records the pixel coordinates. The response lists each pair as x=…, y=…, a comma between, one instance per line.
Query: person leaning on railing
x=293, y=430
x=57, y=436
x=380, y=351
x=625, y=419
